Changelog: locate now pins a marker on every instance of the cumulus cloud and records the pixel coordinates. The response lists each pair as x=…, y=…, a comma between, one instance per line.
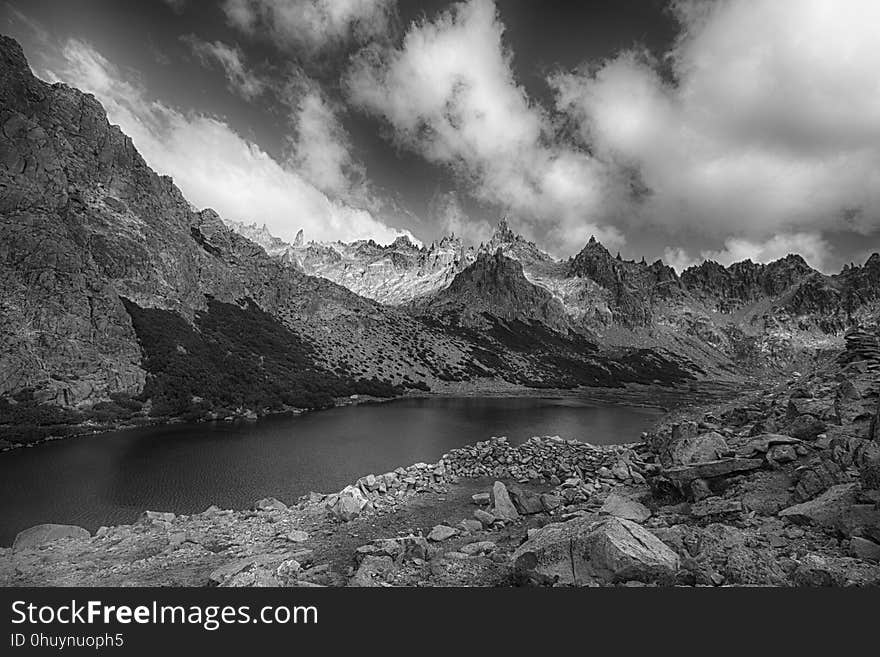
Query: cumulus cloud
x=321, y=149
x=814, y=249
x=769, y=132
x=311, y=25
x=211, y=163
x=449, y=94
x=241, y=80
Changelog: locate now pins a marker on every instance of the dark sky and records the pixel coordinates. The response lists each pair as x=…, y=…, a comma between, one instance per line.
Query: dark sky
x=399, y=178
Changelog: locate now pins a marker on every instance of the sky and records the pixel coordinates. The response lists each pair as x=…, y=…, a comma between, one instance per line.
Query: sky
x=674, y=129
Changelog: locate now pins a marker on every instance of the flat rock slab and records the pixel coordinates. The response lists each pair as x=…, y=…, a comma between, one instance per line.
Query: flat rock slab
x=710, y=469
x=49, y=533
x=836, y=508
x=620, y=506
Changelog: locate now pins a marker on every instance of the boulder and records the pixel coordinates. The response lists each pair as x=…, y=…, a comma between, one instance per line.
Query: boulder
x=716, y=506
x=806, y=427
x=525, y=501
x=157, y=516
x=373, y=571
x=480, y=547
x=49, y=533
x=298, y=536
x=620, y=506
x=836, y=508
x=484, y=517
x=863, y=548
x=483, y=499
x=696, y=449
x=550, y=501
x=503, y=507
x=709, y=469
x=270, y=504
x=442, y=533
x=348, y=504
x=583, y=551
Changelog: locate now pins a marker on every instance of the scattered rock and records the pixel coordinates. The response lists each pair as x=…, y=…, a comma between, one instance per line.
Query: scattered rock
x=348, y=504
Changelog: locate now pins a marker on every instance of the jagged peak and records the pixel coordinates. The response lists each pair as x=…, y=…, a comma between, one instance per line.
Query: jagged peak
x=299, y=239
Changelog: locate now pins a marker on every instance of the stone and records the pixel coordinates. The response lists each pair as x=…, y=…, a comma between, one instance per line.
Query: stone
x=836, y=508
x=469, y=525
x=349, y=504
x=373, y=571
x=49, y=533
x=480, y=547
x=620, y=506
x=503, y=507
x=441, y=533
x=699, y=489
x=696, y=449
x=806, y=427
x=483, y=499
x=709, y=469
x=620, y=470
x=157, y=516
x=782, y=454
x=525, y=501
x=762, y=443
x=583, y=551
x=715, y=506
x=270, y=504
x=298, y=536
x=550, y=501
x=484, y=517
x=863, y=548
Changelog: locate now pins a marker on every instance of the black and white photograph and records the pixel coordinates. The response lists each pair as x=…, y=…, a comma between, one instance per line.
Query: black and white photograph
x=497, y=294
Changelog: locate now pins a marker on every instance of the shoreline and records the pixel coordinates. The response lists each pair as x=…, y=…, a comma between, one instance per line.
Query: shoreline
x=663, y=398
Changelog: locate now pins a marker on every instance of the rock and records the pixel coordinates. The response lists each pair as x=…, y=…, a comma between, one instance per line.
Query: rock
x=624, y=507
x=48, y=533
x=707, y=470
x=836, y=508
x=583, y=551
x=870, y=474
x=696, y=449
x=441, y=533
x=480, y=547
x=298, y=536
x=484, y=517
x=816, y=571
x=716, y=506
x=806, y=427
x=156, y=516
x=373, y=571
x=469, y=525
x=483, y=499
x=782, y=454
x=349, y=504
x=763, y=443
x=270, y=504
x=550, y=502
x=503, y=507
x=700, y=489
x=863, y=548
x=525, y=501
x=620, y=470
x=224, y=574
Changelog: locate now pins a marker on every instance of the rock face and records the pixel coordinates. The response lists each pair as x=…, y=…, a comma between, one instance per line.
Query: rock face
x=45, y=534
x=581, y=551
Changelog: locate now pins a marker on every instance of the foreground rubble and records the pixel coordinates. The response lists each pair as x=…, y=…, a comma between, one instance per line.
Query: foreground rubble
x=780, y=488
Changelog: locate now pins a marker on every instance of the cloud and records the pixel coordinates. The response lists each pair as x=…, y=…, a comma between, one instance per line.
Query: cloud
x=449, y=94
x=321, y=149
x=311, y=25
x=770, y=127
x=177, y=6
x=446, y=212
x=241, y=80
x=213, y=165
x=811, y=246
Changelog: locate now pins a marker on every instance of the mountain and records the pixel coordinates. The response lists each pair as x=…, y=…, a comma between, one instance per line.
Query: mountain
x=121, y=303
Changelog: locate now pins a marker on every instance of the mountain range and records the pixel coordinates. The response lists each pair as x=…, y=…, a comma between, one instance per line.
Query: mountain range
x=120, y=303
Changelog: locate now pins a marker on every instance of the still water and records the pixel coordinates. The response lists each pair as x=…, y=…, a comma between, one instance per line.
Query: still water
x=111, y=478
